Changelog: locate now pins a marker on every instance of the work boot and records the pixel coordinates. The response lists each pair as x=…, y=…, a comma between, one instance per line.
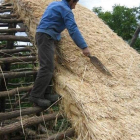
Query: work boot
x=44, y=103
x=52, y=97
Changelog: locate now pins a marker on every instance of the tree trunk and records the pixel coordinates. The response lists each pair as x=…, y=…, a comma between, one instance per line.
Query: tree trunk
x=135, y=37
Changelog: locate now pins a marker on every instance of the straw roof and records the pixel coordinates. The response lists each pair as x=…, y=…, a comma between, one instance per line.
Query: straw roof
x=99, y=107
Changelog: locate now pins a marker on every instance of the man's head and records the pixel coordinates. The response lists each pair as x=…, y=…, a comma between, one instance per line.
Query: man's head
x=72, y=3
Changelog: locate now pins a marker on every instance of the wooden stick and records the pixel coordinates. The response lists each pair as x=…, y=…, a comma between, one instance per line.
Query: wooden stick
x=17, y=74
x=14, y=114
x=8, y=16
x=28, y=122
x=14, y=38
x=23, y=55
x=19, y=84
x=9, y=51
x=24, y=63
x=7, y=10
x=17, y=59
x=12, y=30
x=14, y=91
x=7, y=4
x=22, y=69
x=11, y=21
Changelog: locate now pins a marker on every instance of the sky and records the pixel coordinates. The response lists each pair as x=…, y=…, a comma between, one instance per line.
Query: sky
x=107, y=4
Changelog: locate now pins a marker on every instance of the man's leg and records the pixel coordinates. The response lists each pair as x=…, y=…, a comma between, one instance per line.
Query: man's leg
x=46, y=59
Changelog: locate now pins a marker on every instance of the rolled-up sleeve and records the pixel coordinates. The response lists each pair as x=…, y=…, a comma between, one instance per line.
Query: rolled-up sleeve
x=74, y=31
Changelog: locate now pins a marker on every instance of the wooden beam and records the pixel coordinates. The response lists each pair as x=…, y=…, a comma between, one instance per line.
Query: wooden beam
x=17, y=59
x=14, y=38
x=24, y=63
x=11, y=51
x=28, y=122
x=21, y=69
x=7, y=10
x=14, y=114
x=17, y=74
x=7, y=4
x=12, y=30
x=19, y=84
x=8, y=16
x=11, y=21
x=14, y=91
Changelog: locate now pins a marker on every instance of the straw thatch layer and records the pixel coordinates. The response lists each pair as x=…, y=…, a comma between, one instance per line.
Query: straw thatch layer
x=100, y=107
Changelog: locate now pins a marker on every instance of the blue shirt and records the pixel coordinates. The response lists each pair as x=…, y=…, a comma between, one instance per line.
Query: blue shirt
x=56, y=18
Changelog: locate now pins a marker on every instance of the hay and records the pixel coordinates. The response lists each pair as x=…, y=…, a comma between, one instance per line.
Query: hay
x=100, y=107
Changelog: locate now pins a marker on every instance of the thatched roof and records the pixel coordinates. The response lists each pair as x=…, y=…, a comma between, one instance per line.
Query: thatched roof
x=100, y=107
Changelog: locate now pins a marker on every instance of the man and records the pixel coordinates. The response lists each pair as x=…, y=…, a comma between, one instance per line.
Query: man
x=55, y=19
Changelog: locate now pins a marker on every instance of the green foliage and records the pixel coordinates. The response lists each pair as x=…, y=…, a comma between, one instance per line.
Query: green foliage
x=122, y=20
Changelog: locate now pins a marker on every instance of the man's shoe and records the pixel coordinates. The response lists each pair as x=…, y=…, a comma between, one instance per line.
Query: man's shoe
x=40, y=102
x=52, y=97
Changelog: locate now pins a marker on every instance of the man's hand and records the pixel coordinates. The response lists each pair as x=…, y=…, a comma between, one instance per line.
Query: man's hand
x=86, y=52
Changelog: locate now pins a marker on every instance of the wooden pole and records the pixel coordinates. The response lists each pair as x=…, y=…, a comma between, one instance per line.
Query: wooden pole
x=28, y=122
x=7, y=10
x=9, y=51
x=17, y=59
x=11, y=21
x=20, y=84
x=24, y=63
x=12, y=30
x=14, y=114
x=14, y=38
x=22, y=69
x=15, y=91
x=8, y=16
x=7, y=4
x=17, y=74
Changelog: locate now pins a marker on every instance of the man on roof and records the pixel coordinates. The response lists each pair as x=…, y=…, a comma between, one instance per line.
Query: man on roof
x=57, y=17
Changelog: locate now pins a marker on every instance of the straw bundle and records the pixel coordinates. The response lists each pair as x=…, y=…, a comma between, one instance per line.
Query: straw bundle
x=100, y=107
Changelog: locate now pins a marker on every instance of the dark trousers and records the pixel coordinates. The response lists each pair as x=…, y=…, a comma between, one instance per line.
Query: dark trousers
x=46, y=60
